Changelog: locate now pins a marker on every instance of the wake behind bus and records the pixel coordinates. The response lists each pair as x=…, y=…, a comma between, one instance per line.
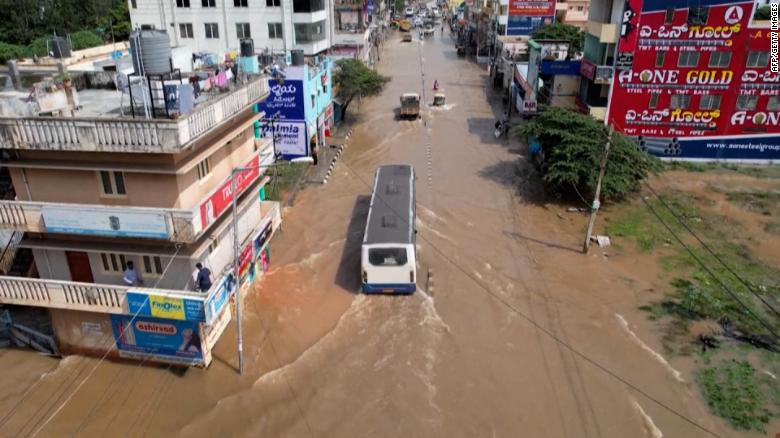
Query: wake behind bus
x=388, y=256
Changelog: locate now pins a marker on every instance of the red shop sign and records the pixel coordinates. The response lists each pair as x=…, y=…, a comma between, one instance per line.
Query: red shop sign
x=245, y=259
x=220, y=200
x=587, y=69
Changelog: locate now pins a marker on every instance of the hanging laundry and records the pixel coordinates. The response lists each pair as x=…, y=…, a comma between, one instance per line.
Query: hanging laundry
x=222, y=80
x=171, y=98
x=186, y=98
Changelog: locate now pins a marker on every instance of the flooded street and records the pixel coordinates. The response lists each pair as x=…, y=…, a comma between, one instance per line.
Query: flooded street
x=520, y=336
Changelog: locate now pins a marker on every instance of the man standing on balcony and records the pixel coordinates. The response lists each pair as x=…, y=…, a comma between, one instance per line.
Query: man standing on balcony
x=130, y=276
x=203, y=281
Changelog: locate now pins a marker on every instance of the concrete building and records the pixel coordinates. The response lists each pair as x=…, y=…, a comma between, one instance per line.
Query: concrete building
x=691, y=82
x=98, y=186
x=574, y=12
x=217, y=26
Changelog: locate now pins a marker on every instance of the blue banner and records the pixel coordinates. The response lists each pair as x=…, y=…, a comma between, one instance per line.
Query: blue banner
x=158, y=306
x=165, y=340
x=286, y=98
x=568, y=68
x=760, y=149
x=217, y=301
x=522, y=25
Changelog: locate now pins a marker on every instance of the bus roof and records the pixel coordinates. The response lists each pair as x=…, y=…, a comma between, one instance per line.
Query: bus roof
x=391, y=215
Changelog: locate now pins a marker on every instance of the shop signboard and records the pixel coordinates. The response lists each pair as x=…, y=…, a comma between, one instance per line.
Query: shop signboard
x=158, y=339
x=603, y=74
x=215, y=329
x=220, y=199
x=564, y=68
x=587, y=69
x=105, y=222
x=645, y=99
x=285, y=96
x=527, y=15
x=142, y=303
x=290, y=137
x=217, y=300
x=262, y=237
x=245, y=259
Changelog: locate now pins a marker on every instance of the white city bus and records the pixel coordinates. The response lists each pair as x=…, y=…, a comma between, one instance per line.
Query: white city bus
x=388, y=256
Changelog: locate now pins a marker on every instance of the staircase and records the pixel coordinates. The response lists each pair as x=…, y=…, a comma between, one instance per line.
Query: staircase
x=22, y=263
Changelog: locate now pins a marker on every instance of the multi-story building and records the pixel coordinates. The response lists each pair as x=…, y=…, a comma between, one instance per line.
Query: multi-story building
x=99, y=186
x=217, y=26
x=573, y=12
x=694, y=81
x=596, y=67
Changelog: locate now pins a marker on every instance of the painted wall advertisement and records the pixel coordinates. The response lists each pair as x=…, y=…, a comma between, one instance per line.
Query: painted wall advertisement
x=164, y=340
x=222, y=197
x=184, y=309
x=105, y=222
x=525, y=16
x=705, y=97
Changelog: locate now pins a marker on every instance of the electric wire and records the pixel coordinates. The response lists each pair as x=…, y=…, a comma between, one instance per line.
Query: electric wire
x=543, y=329
x=720, y=260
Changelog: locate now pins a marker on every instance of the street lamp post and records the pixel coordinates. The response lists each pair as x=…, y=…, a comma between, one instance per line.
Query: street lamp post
x=236, y=243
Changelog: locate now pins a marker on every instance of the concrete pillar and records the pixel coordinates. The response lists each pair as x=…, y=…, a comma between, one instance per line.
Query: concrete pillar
x=16, y=77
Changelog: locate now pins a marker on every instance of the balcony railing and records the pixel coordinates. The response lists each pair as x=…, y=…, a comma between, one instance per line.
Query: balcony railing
x=605, y=32
x=122, y=134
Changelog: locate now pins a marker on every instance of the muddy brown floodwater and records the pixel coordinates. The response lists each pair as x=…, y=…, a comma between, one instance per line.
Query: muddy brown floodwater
x=487, y=354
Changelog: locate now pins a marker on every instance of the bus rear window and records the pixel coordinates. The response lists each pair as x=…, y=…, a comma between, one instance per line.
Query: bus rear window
x=387, y=256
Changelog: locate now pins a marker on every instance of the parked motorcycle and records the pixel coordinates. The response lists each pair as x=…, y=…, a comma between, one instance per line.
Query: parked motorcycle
x=501, y=128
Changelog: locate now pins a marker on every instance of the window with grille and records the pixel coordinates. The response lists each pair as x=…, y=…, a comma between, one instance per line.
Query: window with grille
x=185, y=30
x=153, y=265
x=204, y=168
x=660, y=57
x=212, y=31
x=241, y=3
x=242, y=30
x=757, y=59
x=688, y=59
x=112, y=183
x=680, y=101
x=209, y=3
x=746, y=102
x=720, y=59
x=698, y=15
x=773, y=104
x=182, y=3
x=709, y=101
x=653, y=100
x=273, y=3
x=113, y=262
x=275, y=31
x=669, y=18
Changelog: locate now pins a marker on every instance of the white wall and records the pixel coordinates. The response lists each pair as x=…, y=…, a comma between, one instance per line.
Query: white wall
x=165, y=15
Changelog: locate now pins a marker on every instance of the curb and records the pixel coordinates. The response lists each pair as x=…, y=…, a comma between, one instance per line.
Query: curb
x=430, y=286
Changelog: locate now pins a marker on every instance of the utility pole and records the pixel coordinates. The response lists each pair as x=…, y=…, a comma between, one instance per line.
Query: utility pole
x=236, y=263
x=596, y=203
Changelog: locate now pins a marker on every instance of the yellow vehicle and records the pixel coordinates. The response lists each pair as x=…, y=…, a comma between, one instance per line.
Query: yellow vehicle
x=405, y=25
x=410, y=105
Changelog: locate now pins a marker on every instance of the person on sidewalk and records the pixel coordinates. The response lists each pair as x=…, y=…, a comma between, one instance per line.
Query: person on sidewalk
x=435, y=85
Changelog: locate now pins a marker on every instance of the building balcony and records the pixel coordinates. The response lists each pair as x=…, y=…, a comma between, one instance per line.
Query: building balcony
x=175, y=225
x=605, y=32
x=107, y=133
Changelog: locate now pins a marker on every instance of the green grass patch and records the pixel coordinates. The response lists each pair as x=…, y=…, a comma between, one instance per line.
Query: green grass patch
x=735, y=392
x=754, y=171
x=758, y=202
x=773, y=227
x=283, y=178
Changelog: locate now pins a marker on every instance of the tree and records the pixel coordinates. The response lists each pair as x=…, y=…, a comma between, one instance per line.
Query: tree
x=353, y=78
x=562, y=31
x=573, y=144
x=763, y=13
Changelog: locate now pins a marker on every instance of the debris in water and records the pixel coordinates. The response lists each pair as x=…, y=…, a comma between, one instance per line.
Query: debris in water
x=644, y=346
x=650, y=428
x=603, y=241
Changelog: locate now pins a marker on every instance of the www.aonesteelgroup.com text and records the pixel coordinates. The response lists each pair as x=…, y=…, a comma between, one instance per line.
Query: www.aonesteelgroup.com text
x=774, y=18
x=743, y=146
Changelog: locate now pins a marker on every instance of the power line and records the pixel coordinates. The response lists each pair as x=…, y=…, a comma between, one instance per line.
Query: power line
x=707, y=247
x=543, y=329
x=709, y=271
x=35, y=432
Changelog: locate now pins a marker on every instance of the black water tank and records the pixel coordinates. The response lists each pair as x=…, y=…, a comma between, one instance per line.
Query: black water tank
x=297, y=57
x=247, y=47
x=59, y=47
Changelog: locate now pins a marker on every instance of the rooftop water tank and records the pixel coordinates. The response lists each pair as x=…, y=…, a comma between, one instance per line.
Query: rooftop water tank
x=151, y=51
